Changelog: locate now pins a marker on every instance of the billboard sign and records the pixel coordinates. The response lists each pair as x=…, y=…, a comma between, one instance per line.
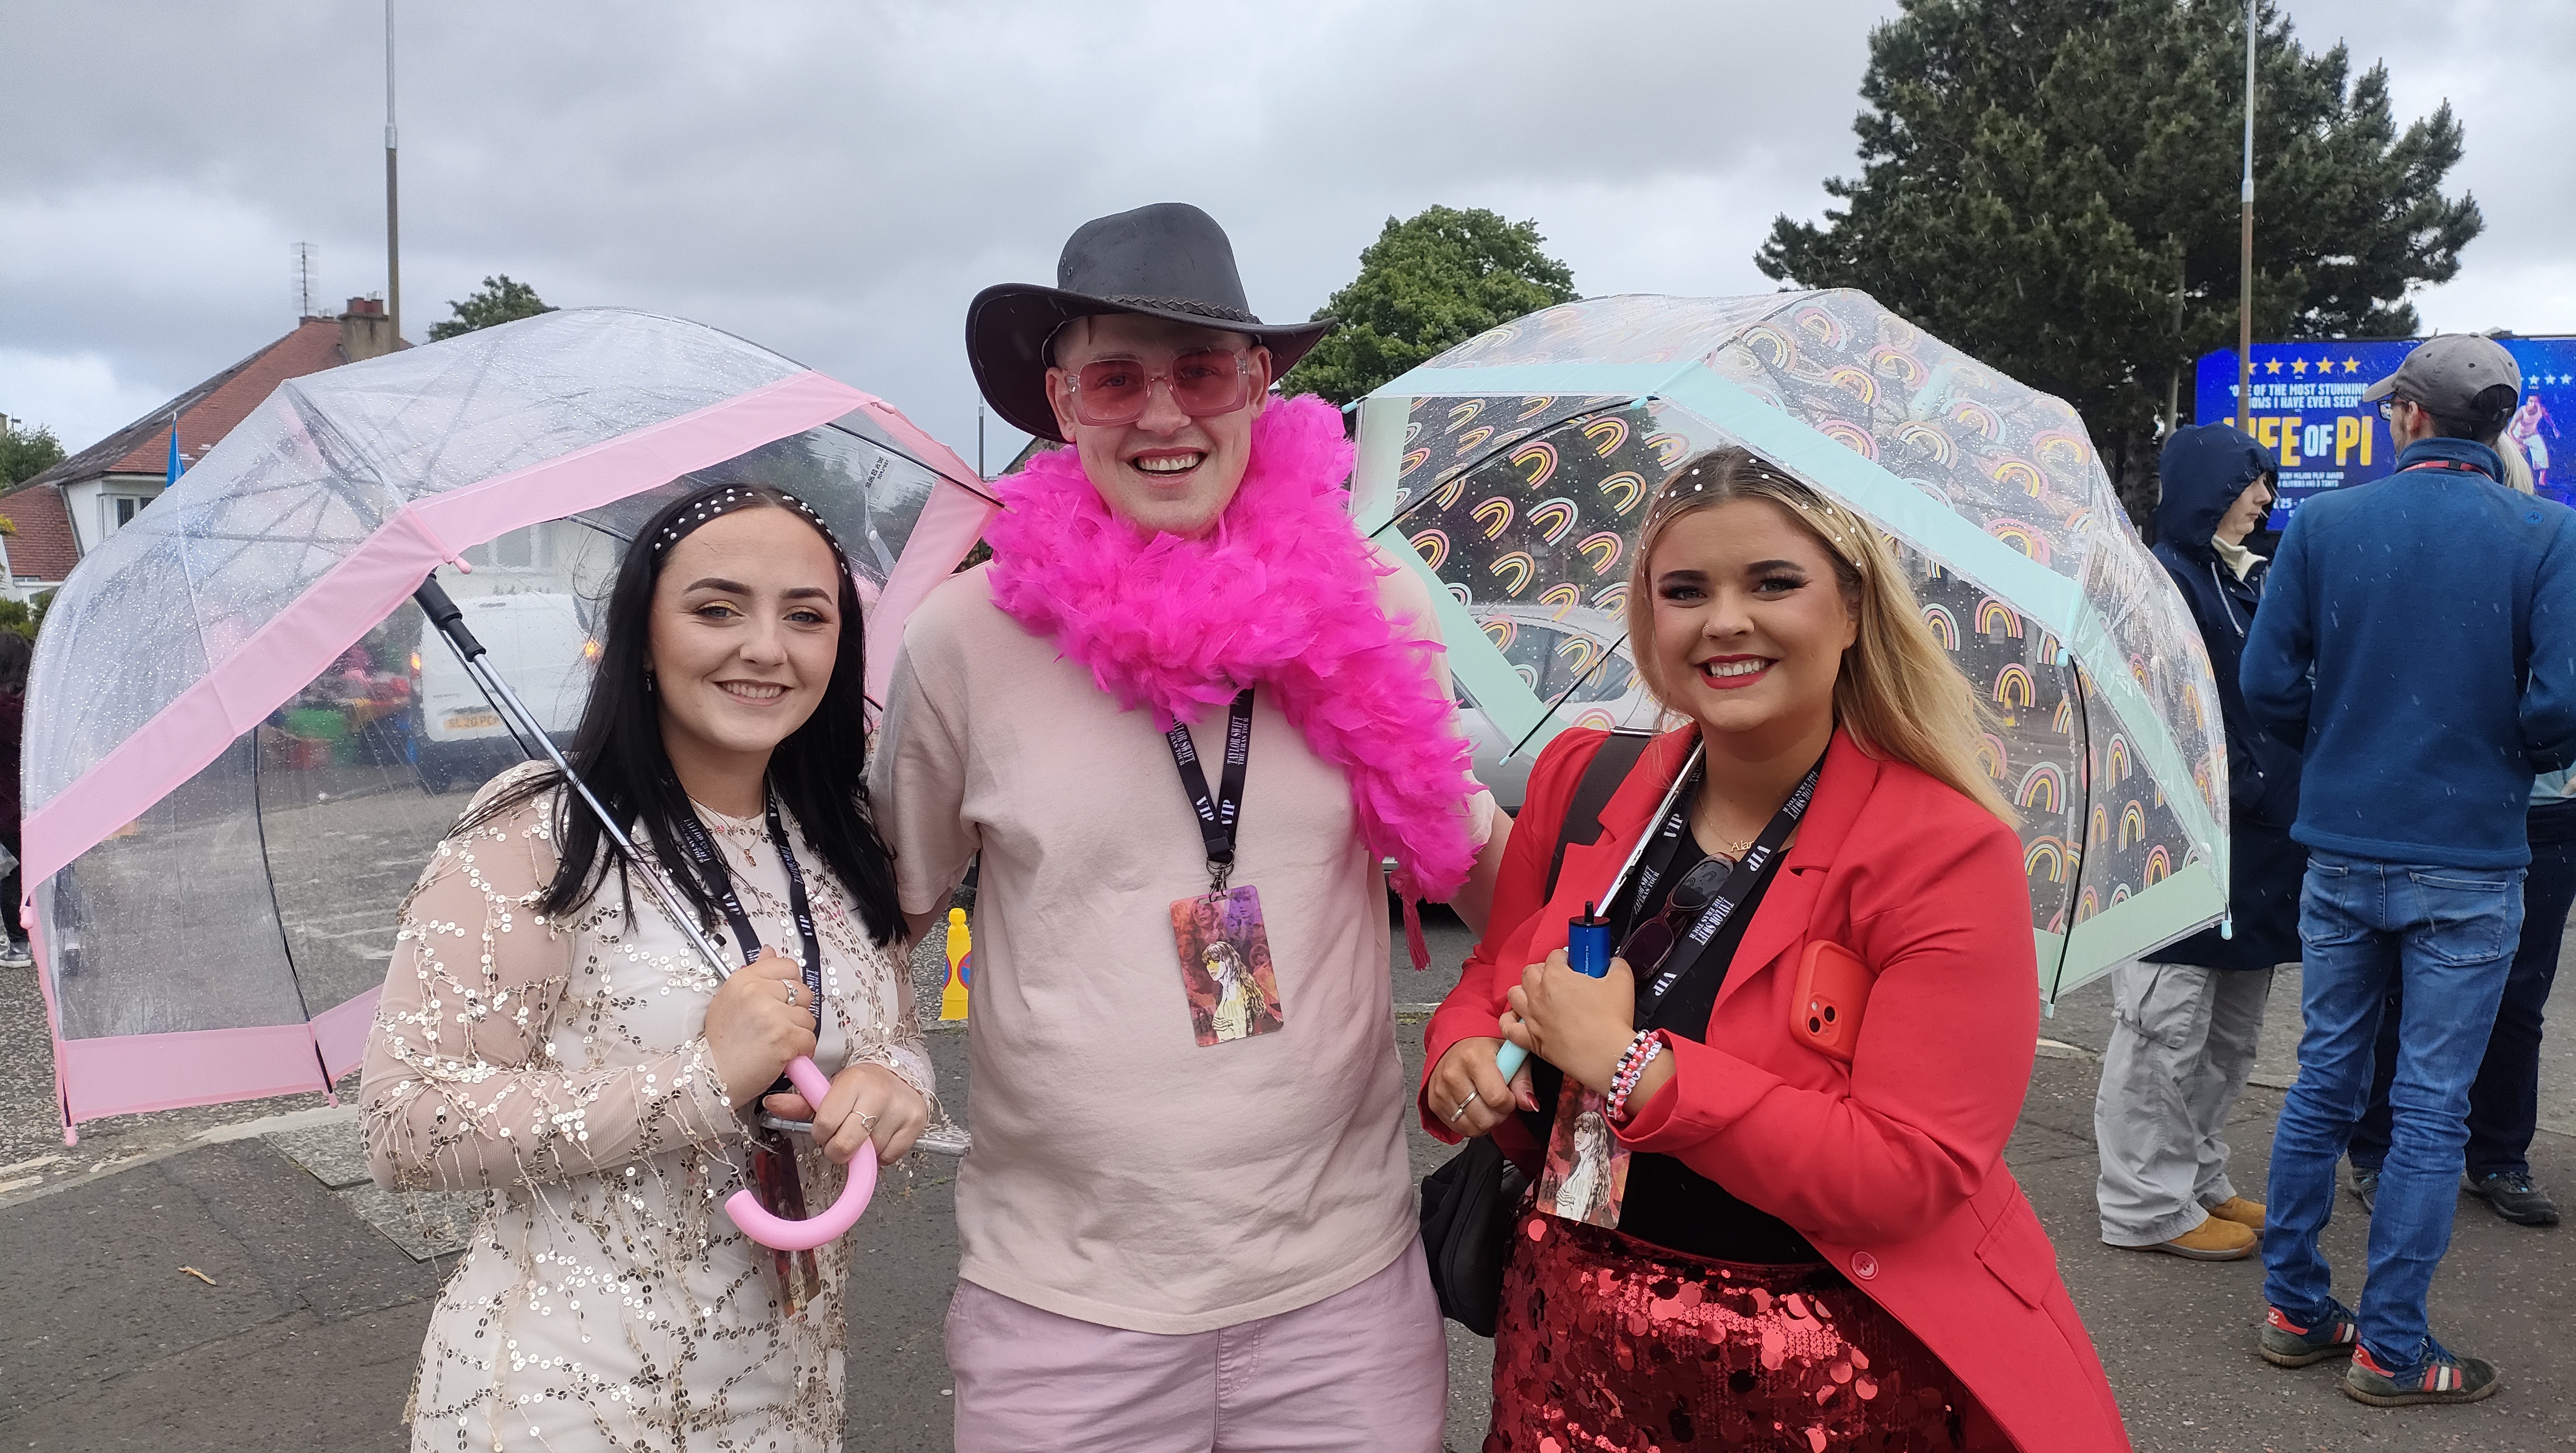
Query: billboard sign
x=2308, y=411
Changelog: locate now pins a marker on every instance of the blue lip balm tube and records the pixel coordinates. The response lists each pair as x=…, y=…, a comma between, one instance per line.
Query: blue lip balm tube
x=1587, y=952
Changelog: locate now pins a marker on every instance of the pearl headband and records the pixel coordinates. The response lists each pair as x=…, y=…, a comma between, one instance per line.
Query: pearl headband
x=734, y=497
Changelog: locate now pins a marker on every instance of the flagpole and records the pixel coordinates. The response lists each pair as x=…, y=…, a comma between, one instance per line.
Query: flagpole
x=2245, y=264
x=393, y=209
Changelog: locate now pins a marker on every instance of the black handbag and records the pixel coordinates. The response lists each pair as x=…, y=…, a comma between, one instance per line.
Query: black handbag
x=1469, y=1203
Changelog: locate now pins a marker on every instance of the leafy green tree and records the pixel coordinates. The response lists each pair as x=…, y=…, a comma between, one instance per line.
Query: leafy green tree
x=499, y=301
x=26, y=450
x=2052, y=185
x=26, y=620
x=1430, y=282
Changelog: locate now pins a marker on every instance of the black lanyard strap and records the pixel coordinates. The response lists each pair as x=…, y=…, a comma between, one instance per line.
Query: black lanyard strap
x=1219, y=815
x=1739, y=885
x=718, y=878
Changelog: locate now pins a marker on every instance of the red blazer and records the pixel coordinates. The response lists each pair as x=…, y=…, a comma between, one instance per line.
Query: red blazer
x=1893, y=1166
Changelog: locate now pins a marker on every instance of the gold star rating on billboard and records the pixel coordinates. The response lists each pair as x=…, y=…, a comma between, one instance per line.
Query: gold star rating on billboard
x=2271, y=365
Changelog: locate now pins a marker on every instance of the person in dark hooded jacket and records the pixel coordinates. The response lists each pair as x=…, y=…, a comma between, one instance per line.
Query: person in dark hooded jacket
x=2187, y=1016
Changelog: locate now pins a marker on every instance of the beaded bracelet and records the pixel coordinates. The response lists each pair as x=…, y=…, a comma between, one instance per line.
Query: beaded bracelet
x=1631, y=1068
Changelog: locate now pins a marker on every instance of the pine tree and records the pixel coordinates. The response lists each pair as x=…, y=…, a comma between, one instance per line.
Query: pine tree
x=499, y=301
x=2052, y=185
x=1427, y=284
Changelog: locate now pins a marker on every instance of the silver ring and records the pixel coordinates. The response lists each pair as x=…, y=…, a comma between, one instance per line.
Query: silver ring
x=790, y=990
x=1462, y=1107
x=868, y=1123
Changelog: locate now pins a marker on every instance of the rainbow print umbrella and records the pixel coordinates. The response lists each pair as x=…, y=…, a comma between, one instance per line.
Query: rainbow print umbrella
x=1516, y=469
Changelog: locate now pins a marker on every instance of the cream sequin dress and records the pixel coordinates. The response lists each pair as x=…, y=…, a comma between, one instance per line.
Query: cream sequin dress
x=606, y=1301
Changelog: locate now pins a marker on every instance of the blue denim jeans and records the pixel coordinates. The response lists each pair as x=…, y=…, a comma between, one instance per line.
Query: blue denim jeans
x=2504, y=1102
x=2448, y=936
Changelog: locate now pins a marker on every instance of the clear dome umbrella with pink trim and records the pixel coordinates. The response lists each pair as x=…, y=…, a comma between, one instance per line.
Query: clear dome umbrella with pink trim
x=242, y=740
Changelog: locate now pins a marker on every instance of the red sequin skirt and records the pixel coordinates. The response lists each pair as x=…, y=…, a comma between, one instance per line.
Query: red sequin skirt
x=1608, y=1343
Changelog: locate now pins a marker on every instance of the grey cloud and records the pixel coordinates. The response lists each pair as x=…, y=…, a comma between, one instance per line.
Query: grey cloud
x=837, y=180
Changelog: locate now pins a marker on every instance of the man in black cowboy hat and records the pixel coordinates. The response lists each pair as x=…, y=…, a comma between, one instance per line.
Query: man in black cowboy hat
x=1179, y=1229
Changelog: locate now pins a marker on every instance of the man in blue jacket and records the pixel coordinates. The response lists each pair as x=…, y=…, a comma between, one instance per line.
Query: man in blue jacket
x=2418, y=642
x=2187, y=1017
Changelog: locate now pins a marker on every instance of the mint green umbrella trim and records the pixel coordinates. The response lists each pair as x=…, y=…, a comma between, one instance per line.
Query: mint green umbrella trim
x=2190, y=900
x=1637, y=380
x=1381, y=458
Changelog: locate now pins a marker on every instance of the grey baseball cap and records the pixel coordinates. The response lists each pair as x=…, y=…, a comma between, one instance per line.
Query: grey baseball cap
x=2446, y=373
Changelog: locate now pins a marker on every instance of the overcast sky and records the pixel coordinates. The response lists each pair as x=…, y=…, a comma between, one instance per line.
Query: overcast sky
x=835, y=180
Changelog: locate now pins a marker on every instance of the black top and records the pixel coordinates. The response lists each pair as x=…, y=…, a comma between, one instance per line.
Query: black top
x=1667, y=1203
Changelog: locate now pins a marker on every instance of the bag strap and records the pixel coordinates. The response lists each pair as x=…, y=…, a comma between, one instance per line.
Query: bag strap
x=1609, y=767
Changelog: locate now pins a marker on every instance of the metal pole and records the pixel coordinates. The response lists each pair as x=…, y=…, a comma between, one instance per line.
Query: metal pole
x=979, y=443
x=2245, y=260
x=393, y=207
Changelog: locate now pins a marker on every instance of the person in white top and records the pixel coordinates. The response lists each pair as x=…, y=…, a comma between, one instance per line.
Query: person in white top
x=1187, y=1222
x=548, y=1035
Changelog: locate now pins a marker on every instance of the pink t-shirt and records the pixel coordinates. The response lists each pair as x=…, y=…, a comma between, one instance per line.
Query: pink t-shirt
x=1125, y=1171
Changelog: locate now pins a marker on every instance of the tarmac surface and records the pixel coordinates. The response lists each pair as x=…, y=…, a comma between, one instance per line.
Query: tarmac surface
x=224, y=1279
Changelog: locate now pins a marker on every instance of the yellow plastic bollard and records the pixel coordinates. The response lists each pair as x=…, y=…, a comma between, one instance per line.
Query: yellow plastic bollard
x=961, y=952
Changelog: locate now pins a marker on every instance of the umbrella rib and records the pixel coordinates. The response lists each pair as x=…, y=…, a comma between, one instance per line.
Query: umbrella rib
x=1567, y=694
x=2083, y=821
x=268, y=875
x=899, y=452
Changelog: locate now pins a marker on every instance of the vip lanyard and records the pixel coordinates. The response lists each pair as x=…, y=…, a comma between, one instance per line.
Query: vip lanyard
x=1219, y=815
x=1739, y=884
x=718, y=878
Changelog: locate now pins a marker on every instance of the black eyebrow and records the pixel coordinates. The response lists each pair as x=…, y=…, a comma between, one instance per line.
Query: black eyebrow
x=1762, y=565
x=729, y=587
x=806, y=592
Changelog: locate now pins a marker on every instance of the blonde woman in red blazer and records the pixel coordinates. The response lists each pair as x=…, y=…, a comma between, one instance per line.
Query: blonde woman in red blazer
x=1819, y=1247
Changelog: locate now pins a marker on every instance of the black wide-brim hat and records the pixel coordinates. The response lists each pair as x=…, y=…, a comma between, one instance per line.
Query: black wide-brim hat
x=1169, y=260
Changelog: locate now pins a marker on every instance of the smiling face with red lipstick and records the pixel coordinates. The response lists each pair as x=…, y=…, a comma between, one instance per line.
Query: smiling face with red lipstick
x=1751, y=619
x=1168, y=467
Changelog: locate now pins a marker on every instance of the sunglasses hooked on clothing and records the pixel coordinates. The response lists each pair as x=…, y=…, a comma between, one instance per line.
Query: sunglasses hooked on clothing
x=1649, y=945
x=1202, y=382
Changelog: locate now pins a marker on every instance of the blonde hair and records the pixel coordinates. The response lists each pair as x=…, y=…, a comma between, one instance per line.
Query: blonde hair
x=2517, y=469
x=1898, y=693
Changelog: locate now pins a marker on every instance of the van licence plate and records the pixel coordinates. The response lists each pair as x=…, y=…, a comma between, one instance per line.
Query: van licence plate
x=466, y=721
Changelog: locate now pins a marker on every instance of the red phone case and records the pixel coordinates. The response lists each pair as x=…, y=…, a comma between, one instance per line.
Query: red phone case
x=1833, y=989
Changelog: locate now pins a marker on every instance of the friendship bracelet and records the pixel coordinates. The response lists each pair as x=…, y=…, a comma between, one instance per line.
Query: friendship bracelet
x=1627, y=1064
x=1640, y=1053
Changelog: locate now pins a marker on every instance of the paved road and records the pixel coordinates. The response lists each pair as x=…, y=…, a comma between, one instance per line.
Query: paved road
x=306, y=1337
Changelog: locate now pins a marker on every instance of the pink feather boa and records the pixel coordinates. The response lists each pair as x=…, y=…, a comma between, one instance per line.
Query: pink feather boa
x=1282, y=595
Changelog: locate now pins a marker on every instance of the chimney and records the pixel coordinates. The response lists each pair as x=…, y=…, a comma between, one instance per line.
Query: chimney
x=365, y=331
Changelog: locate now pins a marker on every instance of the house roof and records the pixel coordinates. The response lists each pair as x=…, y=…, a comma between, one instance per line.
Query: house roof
x=45, y=547
x=207, y=412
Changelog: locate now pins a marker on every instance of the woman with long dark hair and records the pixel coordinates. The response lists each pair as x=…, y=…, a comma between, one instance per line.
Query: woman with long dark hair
x=1810, y=1051
x=548, y=1035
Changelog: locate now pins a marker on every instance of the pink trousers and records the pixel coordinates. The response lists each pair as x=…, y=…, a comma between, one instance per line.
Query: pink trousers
x=1367, y=1368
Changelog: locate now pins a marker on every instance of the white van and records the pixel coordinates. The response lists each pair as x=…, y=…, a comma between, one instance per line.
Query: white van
x=537, y=643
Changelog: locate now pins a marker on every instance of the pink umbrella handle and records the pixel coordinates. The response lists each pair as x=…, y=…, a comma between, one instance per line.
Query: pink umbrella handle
x=776, y=1232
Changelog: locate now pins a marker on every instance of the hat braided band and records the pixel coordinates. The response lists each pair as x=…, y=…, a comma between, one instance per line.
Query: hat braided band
x=1188, y=305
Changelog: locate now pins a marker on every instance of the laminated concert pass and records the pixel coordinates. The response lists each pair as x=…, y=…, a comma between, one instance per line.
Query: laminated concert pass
x=1587, y=1168
x=1225, y=965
